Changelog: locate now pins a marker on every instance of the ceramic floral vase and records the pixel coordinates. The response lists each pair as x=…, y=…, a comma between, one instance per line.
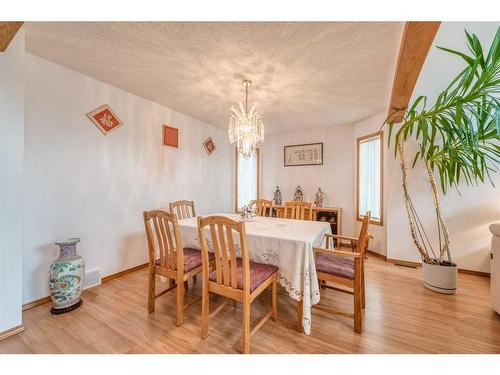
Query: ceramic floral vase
x=66, y=277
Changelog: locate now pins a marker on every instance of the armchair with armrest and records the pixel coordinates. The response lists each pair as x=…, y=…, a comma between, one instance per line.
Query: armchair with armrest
x=345, y=268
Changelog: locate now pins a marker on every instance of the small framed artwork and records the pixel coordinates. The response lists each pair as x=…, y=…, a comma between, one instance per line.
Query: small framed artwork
x=105, y=119
x=209, y=145
x=170, y=136
x=305, y=154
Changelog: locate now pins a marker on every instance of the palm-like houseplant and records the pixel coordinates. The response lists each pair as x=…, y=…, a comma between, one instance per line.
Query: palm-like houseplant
x=457, y=138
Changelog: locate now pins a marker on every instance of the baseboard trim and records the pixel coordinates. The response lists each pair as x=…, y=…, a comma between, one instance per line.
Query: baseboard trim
x=35, y=303
x=123, y=273
x=406, y=263
x=475, y=273
x=44, y=300
x=11, y=332
x=374, y=253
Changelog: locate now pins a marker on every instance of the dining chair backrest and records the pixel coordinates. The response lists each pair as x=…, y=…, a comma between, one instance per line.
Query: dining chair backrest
x=363, y=234
x=183, y=209
x=164, y=239
x=263, y=207
x=222, y=232
x=298, y=210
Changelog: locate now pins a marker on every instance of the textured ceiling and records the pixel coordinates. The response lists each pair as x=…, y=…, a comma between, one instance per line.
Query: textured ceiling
x=305, y=74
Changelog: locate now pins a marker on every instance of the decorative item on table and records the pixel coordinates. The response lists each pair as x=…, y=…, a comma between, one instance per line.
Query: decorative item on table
x=277, y=197
x=299, y=194
x=105, y=119
x=247, y=213
x=318, y=198
x=170, y=136
x=305, y=154
x=209, y=145
x=66, y=277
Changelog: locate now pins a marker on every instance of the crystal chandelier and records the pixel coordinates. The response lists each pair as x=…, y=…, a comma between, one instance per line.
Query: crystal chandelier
x=246, y=128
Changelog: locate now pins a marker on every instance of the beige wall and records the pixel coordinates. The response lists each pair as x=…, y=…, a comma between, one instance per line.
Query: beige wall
x=81, y=183
x=11, y=181
x=467, y=213
x=335, y=176
x=379, y=232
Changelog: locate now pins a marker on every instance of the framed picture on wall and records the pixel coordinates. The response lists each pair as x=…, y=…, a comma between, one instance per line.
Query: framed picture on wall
x=304, y=154
x=209, y=145
x=170, y=136
x=105, y=119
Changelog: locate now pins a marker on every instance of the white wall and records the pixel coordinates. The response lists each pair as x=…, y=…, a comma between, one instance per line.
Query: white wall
x=379, y=232
x=11, y=181
x=467, y=215
x=335, y=176
x=80, y=183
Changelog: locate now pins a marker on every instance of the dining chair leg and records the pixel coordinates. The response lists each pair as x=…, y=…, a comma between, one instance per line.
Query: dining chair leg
x=300, y=308
x=357, y=311
x=186, y=286
x=357, y=298
x=180, y=303
x=151, y=290
x=363, y=289
x=194, y=279
x=246, y=325
x=275, y=298
x=204, y=309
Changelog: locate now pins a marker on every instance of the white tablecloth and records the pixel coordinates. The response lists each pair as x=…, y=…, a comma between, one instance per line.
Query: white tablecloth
x=284, y=243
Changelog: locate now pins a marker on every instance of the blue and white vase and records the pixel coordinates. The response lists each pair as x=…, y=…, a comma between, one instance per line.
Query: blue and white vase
x=66, y=277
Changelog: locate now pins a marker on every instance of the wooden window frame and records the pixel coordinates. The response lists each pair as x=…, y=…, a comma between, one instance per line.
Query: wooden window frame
x=380, y=135
x=236, y=177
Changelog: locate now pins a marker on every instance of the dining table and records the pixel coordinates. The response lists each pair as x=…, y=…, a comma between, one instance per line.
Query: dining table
x=285, y=243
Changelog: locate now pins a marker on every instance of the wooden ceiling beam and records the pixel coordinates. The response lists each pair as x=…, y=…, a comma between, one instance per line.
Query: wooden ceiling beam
x=415, y=45
x=8, y=31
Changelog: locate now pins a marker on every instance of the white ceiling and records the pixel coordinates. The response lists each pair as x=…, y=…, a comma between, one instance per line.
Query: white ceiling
x=305, y=74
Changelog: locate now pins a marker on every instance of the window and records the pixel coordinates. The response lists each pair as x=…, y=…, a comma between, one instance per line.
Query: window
x=369, y=181
x=246, y=182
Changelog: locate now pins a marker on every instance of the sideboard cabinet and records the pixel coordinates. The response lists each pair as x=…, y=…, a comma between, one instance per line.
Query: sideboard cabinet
x=332, y=215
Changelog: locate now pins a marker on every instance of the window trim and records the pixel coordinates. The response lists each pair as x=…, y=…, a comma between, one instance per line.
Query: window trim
x=359, y=140
x=236, y=177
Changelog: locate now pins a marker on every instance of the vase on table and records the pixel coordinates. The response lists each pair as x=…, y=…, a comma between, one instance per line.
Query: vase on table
x=66, y=277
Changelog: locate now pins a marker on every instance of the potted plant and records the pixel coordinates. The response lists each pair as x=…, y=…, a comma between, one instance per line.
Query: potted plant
x=458, y=141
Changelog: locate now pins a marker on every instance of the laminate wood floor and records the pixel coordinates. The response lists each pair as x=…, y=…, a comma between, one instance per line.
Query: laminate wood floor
x=401, y=316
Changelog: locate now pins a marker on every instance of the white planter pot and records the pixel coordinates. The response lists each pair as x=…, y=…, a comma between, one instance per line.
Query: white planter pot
x=442, y=279
x=495, y=267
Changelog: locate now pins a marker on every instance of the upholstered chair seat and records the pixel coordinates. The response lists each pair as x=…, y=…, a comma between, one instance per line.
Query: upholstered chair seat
x=259, y=273
x=335, y=265
x=192, y=259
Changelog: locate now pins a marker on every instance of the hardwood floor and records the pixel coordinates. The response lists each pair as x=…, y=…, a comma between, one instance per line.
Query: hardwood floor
x=401, y=317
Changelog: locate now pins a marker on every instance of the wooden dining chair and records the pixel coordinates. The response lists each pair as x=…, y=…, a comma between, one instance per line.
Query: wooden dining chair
x=183, y=209
x=168, y=258
x=298, y=210
x=344, y=268
x=263, y=207
x=237, y=279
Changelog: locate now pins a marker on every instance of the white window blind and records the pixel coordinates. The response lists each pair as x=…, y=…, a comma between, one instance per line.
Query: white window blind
x=247, y=179
x=369, y=177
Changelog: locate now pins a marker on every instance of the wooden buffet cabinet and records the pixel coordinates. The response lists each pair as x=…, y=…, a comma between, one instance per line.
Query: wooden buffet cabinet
x=333, y=215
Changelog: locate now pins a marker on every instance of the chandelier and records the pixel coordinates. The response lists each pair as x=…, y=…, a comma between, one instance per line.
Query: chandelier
x=246, y=127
